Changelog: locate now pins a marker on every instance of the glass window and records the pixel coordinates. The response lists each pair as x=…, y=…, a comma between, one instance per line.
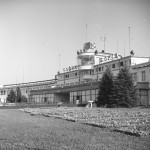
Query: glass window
x=88, y=98
x=52, y=95
x=71, y=99
x=135, y=77
x=74, y=98
x=78, y=92
x=121, y=64
x=75, y=93
x=71, y=93
x=87, y=92
x=99, y=69
x=93, y=97
x=83, y=98
x=97, y=91
x=93, y=92
x=83, y=92
x=113, y=66
x=143, y=76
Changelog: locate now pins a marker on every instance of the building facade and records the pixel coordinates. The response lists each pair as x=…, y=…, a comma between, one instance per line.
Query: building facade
x=81, y=82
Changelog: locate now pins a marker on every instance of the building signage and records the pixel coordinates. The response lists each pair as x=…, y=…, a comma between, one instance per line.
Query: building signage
x=109, y=58
x=70, y=68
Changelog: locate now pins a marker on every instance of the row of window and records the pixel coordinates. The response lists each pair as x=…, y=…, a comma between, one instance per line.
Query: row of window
x=143, y=76
x=69, y=75
x=25, y=90
x=42, y=98
x=83, y=96
x=2, y=92
x=99, y=69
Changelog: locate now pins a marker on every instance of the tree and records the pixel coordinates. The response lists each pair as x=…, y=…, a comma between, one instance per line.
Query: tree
x=11, y=96
x=113, y=97
x=18, y=94
x=23, y=98
x=105, y=89
x=126, y=91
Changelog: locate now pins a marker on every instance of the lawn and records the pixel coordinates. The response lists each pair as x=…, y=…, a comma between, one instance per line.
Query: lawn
x=130, y=121
x=19, y=130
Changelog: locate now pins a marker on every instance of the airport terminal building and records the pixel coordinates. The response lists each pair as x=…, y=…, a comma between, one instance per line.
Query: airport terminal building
x=81, y=82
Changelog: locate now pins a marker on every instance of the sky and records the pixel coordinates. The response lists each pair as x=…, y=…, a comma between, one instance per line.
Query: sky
x=38, y=38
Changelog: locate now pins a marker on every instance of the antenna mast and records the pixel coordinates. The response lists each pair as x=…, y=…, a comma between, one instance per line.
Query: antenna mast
x=59, y=62
x=117, y=46
x=124, y=48
x=129, y=39
x=86, y=33
x=103, y=39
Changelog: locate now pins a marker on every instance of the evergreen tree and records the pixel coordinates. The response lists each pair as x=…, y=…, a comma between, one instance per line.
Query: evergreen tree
x=18, y=94
x=126, y=91
x=24, y=99
x=105, y=89
x=113, y=97
x=11, y=97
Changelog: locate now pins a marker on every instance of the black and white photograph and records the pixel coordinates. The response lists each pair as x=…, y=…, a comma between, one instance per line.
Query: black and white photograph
x=75, y=74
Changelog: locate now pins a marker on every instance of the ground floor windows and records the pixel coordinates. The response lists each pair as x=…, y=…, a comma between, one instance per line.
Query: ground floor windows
x=83, y=96
x=42, y=98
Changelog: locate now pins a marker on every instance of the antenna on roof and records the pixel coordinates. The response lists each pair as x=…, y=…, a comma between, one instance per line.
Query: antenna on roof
x=124, y=48
x=117, y=46
x=86, y=33
x=129, y=38
x=103, y=39
x=59, y=62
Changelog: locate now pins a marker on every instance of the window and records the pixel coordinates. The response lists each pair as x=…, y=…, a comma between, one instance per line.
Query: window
x=135, y=77
x=113, y=66
x=99, y=69
x=121, y=64
x=143, y=76
x=92, y=71
x=67, y=76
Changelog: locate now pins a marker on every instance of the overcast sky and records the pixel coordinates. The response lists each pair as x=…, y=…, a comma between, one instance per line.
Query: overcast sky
x=33, y=33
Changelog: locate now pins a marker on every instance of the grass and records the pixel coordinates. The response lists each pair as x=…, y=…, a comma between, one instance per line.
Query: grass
x=19, y=130
x=129, y=121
